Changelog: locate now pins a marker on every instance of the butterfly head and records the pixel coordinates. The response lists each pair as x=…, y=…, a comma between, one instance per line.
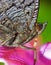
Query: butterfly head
x=40, y=27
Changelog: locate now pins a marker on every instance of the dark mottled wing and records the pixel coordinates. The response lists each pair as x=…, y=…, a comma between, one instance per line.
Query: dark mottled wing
x=20, y=11
x=19, y=16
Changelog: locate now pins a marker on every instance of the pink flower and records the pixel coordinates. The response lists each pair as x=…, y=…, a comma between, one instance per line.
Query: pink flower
x=17, y=56
x=45, y=53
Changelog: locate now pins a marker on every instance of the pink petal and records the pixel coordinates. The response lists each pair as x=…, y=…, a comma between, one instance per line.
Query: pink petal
x=45, y=53
x=17, y=56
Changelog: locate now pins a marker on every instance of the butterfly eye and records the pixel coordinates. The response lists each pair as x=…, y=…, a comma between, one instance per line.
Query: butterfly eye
x=38, y=26
x=28, y=12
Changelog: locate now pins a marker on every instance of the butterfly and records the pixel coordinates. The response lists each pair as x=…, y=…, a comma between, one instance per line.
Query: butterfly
x=18, y=22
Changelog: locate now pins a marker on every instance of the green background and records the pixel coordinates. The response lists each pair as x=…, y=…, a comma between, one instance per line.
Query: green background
x=45, y=16
x=1, y=63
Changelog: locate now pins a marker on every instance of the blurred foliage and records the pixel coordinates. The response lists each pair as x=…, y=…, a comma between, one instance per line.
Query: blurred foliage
x=1, y=63
x=45, y=16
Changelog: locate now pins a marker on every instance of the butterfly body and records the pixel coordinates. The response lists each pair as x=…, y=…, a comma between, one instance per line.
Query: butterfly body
x=18, y=21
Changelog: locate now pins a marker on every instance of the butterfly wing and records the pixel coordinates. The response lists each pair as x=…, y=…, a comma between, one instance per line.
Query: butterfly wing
x=20, y=16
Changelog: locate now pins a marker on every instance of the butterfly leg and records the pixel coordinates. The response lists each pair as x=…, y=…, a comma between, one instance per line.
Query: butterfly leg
x=35, y=52
x=9, y=42
x=6, y=32
x=32, y=35
x=5, y=29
